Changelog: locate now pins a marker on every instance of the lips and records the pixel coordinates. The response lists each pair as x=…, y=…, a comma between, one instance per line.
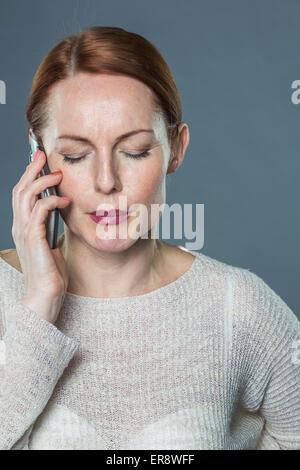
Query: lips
x=112, y=217
x=111, y=213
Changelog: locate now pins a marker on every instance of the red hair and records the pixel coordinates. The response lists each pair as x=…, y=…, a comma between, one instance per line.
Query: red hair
x=105, y=49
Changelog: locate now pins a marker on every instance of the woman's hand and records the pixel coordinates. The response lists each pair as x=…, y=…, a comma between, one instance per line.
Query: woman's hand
x=45, y=270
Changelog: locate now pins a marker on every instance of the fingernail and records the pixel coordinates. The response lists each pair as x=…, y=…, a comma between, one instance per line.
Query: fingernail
x=67, y=198
x=37, y=154
x=56, y=172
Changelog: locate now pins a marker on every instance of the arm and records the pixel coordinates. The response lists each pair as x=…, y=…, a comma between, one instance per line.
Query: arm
x=280, y=406
x=271, y=334
x=34, y=356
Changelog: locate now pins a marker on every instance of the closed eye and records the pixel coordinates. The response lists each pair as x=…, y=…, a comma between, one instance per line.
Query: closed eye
x=73, y=159
x=136, y=156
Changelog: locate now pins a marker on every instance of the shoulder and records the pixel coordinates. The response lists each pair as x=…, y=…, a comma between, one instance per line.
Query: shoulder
x=264, y=328
x=211, y=269
x=260, y=303
x=9, y=284
x=10, y=256
x=252, y=302
x=260, y=326
x=11, y=277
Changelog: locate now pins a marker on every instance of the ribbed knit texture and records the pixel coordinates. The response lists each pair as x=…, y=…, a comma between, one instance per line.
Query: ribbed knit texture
x=205, y=362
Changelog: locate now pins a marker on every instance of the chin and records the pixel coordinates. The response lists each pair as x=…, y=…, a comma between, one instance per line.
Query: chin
x=114, y=245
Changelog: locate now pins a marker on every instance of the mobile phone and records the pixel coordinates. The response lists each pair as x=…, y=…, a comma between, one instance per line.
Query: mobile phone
x=51, y=221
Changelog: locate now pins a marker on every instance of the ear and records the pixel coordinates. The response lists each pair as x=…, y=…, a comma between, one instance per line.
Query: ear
x=180, y=147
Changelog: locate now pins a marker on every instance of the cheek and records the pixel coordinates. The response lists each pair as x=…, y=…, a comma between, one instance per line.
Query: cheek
x=143, y=181
x=74, y=185
x=146, y=183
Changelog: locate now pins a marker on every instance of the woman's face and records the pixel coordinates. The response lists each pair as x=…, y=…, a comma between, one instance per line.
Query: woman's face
x=99, y=109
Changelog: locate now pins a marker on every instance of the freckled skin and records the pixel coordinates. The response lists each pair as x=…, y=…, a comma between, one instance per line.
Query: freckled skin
x=100, y=108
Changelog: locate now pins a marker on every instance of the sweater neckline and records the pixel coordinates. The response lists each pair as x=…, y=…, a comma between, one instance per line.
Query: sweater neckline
x=161, y=294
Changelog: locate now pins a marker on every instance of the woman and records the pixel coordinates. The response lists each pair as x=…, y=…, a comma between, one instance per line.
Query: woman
x=120, y=342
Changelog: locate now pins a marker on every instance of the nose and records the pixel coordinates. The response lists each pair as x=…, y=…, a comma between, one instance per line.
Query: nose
x=107, y=178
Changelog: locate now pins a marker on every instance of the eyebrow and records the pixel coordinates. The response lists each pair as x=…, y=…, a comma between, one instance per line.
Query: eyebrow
x=118, y=139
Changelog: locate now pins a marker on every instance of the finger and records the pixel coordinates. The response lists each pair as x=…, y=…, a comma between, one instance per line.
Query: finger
x=30, y=174
x=30, y=194
x=36, y=226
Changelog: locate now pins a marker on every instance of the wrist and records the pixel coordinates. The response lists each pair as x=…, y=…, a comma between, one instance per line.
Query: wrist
x=48, y=309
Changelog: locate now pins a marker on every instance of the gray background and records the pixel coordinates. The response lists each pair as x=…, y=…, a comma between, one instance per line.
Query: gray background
x=233, y=62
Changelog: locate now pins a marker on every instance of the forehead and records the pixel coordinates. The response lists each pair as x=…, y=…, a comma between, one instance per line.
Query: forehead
x=95, y=102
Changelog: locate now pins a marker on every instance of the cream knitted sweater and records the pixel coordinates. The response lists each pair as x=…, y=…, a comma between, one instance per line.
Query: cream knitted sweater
x=209, y=361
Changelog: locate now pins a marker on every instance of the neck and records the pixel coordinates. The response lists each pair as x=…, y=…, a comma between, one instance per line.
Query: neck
x=139, y=269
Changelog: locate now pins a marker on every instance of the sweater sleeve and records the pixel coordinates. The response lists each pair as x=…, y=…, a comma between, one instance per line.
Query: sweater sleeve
x=33, y=356
x=272, y=366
